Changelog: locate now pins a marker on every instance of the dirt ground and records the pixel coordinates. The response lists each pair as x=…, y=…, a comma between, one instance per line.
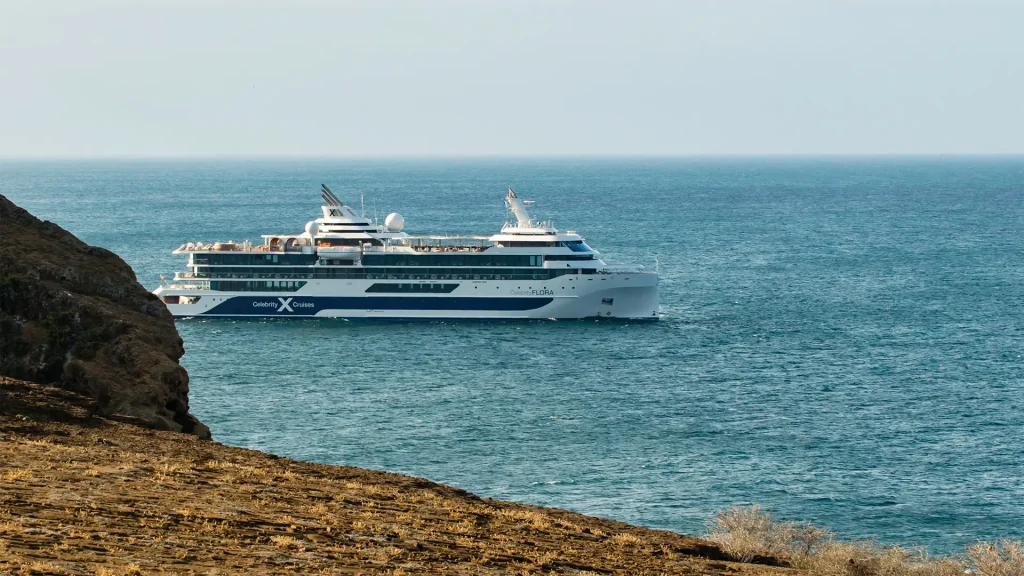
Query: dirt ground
x=80, y=494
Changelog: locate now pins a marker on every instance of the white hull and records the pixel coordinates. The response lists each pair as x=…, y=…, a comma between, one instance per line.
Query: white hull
x=632, y=295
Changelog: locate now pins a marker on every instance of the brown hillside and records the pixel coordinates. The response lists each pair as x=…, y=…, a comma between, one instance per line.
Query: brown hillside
x=91, y=495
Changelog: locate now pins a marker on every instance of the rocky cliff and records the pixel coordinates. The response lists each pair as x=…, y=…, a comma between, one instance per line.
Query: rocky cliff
x=74, y=315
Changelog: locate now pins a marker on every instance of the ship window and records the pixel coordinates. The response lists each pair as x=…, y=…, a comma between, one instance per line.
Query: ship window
x=607, y=301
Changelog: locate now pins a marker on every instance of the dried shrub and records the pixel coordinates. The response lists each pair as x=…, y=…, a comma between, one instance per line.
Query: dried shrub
x=869, y=559
x=1004, y=558
x=746, y=533
x=749, y=533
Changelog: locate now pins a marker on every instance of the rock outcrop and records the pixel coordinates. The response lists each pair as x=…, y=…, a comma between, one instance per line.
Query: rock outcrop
x=74, y=315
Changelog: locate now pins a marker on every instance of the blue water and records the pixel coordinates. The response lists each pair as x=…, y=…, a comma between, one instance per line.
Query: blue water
x=842, y=342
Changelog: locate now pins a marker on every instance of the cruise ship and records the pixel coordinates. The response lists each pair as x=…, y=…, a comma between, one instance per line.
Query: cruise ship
x=345, y=266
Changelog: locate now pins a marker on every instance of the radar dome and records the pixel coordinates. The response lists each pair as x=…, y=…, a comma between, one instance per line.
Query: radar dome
x=312, y=227
x=394, y=222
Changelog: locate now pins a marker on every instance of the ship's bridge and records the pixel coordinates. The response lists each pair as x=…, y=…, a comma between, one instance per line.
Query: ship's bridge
x=525, y=232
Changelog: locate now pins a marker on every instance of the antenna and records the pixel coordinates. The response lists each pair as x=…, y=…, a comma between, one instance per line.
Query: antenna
x=362, y=208
x=375, y=212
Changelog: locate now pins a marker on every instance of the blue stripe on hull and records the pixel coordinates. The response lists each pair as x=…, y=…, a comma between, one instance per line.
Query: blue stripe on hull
x=310, y=305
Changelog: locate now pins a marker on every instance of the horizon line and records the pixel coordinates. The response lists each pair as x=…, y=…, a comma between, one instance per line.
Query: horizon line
x=517, y=156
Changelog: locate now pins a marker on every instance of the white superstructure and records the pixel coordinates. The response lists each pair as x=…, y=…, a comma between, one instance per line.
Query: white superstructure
x=345, y=266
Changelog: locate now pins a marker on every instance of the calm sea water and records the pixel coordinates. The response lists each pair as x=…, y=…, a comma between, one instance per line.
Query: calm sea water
x=842, y=342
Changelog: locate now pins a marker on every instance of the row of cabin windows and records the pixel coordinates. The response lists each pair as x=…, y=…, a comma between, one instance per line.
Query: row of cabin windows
x=243, y=272
x=250, y=259
x=330, y=272
x=454, y=273
x=256, y=285
x=574, y=245
x=537, y=243
x=413, y=288
x=563, y=257
x=303, y=272
x=452, y=259
x=402, y=273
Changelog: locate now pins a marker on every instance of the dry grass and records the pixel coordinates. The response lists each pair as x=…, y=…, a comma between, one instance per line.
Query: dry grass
x=16, y=475
x=285, y=541
x=626, y=539
x=317, y=509
x=750, y=533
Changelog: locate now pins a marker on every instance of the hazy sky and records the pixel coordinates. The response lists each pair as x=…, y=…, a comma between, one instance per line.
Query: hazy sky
x=147, y=78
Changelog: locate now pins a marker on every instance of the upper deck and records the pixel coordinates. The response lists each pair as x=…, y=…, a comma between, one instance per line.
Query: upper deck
x=343, y=238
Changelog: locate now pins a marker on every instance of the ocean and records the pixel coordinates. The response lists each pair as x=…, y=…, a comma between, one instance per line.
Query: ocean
x=842, y=339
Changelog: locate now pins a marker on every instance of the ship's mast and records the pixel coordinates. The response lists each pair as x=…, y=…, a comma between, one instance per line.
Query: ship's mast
x=518, y=208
